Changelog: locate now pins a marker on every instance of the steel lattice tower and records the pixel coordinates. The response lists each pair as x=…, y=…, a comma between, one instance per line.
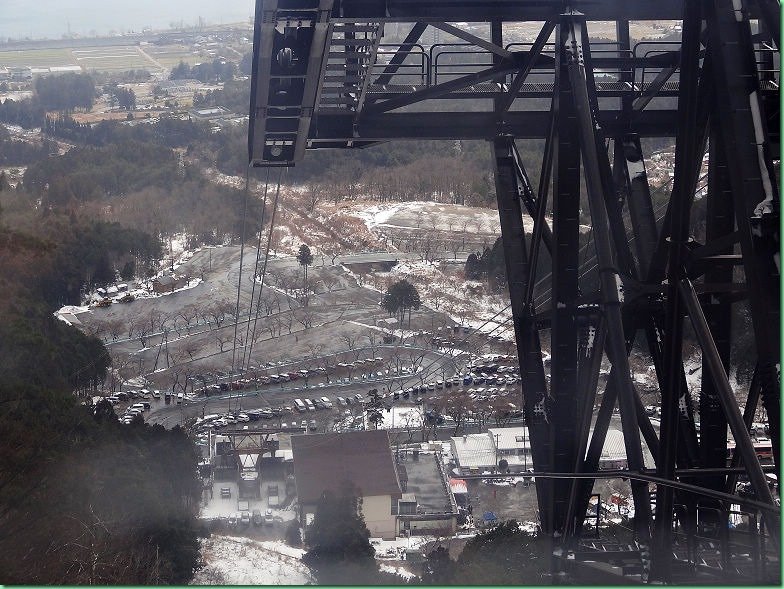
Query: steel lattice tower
x=325, y=77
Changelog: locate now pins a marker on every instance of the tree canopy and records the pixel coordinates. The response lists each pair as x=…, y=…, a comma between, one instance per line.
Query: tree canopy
x=66, y=91
x=401, y=296
x=83, y=498
x=490, y=266
x=304, y=256
x=338, y=540
x=122, y=97
x=503, y=555
x=305, y=259
x=218, y=70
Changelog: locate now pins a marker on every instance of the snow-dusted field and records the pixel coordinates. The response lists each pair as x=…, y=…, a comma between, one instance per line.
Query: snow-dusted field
x=429, y=215
x=243, y=561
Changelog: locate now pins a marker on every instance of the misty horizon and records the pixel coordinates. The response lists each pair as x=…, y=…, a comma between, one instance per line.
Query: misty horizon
x=53, y=19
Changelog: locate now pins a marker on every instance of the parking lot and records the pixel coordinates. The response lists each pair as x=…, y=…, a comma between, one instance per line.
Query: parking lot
x=260, y=406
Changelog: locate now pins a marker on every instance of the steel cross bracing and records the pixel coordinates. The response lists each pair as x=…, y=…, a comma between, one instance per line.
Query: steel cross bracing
x=348, y=74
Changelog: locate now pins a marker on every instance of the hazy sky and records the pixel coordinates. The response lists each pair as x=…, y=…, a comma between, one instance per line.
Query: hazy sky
x=51, y=18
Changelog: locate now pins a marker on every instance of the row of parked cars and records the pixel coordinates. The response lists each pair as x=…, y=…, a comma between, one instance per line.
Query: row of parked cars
x=217, y=422
x=244, y=519
x=133, y=411
x=255, y=381
x=125, y=396
x=305, y=404
x=455, y=381
x=250, y=382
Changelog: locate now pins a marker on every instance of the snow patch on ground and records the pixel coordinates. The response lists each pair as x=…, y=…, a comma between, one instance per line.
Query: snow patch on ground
x=73, y=310
x=243, y=561
x=376, y=215
x=391, y=547
x=430, y=215
x=396, y=571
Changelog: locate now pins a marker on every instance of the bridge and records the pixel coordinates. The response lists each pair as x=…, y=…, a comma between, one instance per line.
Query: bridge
x=349, y=74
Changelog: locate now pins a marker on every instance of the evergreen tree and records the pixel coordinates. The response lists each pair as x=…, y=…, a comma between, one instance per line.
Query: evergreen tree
x=504, y=555
x=305, y=259
x=338, y=540
x=490, y=266
x=473, y=268
x=66, y=91
x=293, y=536
x=438, y=568
x=401, y=296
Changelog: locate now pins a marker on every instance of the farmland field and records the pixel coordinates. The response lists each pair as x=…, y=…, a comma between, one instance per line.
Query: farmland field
x=112, y=58
x=109, y=58
x=37, y=58
x=170, y=55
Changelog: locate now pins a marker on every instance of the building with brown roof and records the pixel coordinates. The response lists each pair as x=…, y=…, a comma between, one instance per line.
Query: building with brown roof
x=362, y=460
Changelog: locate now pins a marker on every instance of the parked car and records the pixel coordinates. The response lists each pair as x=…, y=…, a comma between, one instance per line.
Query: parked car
x=257, y=519
x=268, y=519
x=245, y=518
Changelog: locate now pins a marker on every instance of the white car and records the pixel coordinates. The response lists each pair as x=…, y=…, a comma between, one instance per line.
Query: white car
x=327, y=402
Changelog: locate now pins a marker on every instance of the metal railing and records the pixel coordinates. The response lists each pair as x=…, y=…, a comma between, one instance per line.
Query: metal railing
x=425, y=66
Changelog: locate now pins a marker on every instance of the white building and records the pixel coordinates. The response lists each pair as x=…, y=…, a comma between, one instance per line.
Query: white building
x=475, y=453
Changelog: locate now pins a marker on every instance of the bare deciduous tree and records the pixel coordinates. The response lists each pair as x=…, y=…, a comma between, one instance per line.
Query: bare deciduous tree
x=114, y=328
x=222, y=339
x=305, y=317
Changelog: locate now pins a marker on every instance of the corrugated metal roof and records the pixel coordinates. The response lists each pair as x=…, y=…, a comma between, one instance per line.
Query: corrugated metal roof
x=479, y=450
x=510, y=438
x=474, y=450
x=614, y=448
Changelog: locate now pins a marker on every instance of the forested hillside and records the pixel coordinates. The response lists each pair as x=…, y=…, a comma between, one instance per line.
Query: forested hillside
x=83, y=499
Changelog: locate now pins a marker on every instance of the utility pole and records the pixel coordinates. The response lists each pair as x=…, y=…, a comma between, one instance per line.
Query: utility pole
x=496, y=436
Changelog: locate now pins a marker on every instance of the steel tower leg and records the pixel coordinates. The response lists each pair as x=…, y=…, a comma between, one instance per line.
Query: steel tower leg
x=686, y=152
x=529, y=350
x=565, y=262
x=742, y=125
x=720, y=222
x=597, y=176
